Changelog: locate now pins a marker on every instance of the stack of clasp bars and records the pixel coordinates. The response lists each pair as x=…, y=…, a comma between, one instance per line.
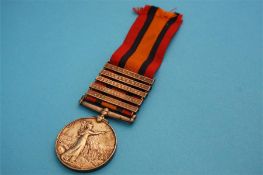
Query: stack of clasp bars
x=119, y=90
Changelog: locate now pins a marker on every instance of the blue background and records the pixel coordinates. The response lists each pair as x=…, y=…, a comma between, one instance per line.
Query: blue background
x=202, y=117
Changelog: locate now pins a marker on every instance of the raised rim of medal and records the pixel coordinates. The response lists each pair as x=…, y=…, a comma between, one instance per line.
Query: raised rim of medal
x=80, y=169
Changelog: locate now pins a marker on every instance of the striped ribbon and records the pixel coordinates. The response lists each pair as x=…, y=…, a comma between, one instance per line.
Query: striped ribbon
x=144, y=46
x=147, y=40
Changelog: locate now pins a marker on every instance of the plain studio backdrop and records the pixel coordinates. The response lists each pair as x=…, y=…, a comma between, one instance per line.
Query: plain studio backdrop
x=202, y=117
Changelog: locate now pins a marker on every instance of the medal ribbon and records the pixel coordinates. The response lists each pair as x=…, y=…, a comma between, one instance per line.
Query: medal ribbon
x=144, y=46
x=147, y=40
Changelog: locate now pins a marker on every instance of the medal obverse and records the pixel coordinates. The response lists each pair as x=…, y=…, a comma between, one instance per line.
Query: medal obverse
x=86, y=144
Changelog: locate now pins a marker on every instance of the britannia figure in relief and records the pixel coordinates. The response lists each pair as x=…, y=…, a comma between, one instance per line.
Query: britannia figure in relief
x=85, y=131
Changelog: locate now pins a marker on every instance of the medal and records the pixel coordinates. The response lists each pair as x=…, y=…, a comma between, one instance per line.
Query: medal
x=119, y=90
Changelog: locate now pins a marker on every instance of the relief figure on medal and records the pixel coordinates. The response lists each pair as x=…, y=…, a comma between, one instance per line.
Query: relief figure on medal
x=84, y=133
x=85, y=144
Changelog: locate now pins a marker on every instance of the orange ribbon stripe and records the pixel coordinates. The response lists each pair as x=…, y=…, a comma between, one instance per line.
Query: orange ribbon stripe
x=140, y=55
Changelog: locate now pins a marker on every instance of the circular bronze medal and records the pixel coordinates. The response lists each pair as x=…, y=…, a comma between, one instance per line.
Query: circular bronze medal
x=86, y=144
